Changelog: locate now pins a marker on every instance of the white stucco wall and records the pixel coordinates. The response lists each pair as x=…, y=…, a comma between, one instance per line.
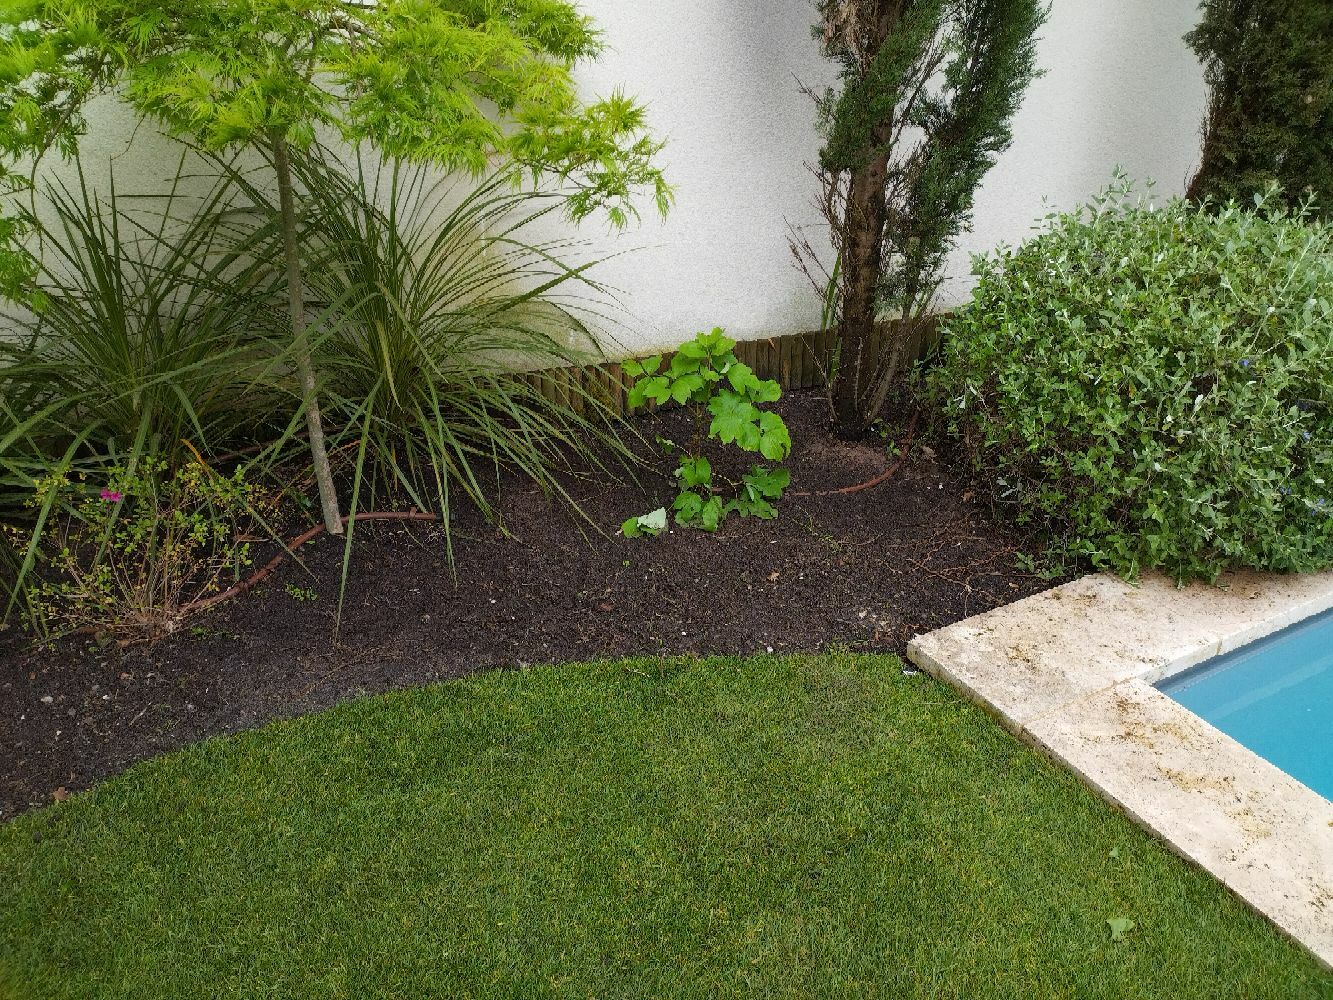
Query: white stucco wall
x=1121, y=87
x=721, y=81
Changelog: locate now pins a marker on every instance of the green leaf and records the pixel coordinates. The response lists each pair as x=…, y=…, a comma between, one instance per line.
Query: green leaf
x=694, y=472
x=654, y=521
x=749, y=438
x=686, y=386
x=752, y=505
x=734, y=419
x=687, y=506
x=658, y=388
x=682, y=363
x=710, y=515
x=765, y=482
x=1120, y=926
x=715, y=342
x=742, y=378
x=775, y=441
x=766, y=391
x=695, y=512
x=653, y=524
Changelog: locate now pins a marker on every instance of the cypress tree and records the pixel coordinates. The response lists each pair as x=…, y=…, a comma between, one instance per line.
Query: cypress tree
x=1269, y=69
x=928, y=89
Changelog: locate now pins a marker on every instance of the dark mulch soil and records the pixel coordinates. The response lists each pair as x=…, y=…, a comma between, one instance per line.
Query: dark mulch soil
x=866, y=570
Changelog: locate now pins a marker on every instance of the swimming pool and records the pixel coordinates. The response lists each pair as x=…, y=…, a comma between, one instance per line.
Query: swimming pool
x=1274, y=696
x=1077, y=671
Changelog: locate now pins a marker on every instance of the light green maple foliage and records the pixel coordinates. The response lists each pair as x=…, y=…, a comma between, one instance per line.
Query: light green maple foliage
x=456, y=83
x=452, y=82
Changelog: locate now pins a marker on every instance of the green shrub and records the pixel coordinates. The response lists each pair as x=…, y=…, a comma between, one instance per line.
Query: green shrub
x=133, y=559
x=154, y=333
x=155, y=324
x=1154, y=386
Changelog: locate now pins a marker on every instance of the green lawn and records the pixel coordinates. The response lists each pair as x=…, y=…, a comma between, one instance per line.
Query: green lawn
x=816, y=827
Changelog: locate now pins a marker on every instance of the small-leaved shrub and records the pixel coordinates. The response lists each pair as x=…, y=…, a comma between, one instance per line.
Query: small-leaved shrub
x=132, y=560
x=1153, y=386
x=705, y=376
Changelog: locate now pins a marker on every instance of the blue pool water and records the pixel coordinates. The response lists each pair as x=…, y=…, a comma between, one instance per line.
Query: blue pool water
x=1275, y=696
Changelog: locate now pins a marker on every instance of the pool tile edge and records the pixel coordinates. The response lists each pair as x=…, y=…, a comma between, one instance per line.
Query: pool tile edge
x=1070, y=671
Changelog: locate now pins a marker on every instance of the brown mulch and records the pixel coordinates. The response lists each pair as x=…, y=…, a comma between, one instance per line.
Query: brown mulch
x=865, y=570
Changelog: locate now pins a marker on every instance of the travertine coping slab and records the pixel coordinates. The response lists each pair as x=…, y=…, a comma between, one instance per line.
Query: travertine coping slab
x=1071, y=670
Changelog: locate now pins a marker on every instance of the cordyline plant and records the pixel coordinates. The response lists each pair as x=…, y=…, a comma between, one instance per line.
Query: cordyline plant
x=928, y=90
x=457, y=84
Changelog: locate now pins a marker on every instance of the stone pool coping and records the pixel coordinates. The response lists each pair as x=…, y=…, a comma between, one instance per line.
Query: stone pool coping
x=1071, y=671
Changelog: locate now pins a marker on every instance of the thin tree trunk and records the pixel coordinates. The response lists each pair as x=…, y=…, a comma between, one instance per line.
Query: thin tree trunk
x=862, y=265
x=862, y=244
x=305, y=369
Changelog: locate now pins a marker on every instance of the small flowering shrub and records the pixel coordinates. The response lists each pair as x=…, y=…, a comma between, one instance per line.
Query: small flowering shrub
x=705, y=375
x=1154, y=386
x=132, y=561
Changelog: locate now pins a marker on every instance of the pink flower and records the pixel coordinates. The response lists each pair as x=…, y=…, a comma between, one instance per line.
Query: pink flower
x=111, y=496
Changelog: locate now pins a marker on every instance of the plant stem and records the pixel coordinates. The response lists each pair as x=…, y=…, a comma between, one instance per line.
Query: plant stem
x=305, y=368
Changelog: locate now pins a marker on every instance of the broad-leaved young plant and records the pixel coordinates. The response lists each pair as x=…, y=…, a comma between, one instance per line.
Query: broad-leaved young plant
x=724, y=396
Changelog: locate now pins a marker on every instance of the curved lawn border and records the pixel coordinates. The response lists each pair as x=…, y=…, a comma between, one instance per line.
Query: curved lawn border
x=817, y=826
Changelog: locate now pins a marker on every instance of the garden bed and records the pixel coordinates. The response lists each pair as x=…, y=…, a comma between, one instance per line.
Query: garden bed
x=865, y=570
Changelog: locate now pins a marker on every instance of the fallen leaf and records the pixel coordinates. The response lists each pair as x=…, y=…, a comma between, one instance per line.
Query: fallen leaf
x=773, y=577
x=1120, y=926
x=605, y=606
x=60, y=794
x=968, y=495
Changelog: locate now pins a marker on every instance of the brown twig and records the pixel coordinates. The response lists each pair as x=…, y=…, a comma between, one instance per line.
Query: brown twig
x=259, y=575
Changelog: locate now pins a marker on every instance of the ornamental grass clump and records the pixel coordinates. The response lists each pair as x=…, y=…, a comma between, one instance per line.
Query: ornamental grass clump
x=1151, y=385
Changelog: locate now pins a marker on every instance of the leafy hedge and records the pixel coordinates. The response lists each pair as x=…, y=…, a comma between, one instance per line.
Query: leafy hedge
x=1154, y=385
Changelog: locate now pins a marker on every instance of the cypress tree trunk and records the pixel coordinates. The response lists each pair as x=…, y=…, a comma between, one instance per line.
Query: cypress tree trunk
x=862, y=228
x=305, y=369
x=862, y=265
